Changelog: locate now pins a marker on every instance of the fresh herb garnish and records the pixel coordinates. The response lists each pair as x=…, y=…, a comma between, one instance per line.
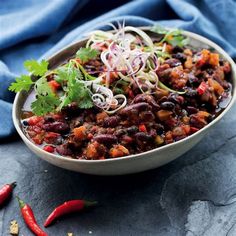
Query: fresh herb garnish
x=36, y=68
x=70, y=76
x=44, y=104
x=23, y=82
x=85, y=54
x=173, y=37
x=75, y=90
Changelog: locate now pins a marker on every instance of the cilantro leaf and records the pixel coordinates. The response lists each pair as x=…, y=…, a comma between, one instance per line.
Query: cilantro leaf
x=159, y=29
x=44, y=104
x=61, y=74
x=36, y=68
x=85, y=54
x=42, y=87
x=22, y=83
x=75, y=90
x=173, y=37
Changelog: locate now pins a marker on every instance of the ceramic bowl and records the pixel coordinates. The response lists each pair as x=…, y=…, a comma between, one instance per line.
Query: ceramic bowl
x=133, y=163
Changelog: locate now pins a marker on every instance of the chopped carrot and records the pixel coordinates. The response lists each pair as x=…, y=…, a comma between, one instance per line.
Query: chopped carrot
x=188, y=63
x=188, y=52
x=91, y=151
x=214, y=59
x=118, y=151
x=216, y=86
x=80, y=132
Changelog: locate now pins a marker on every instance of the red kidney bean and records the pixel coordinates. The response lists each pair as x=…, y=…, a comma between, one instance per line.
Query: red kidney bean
x=63, y=150
x=111, y=121
x=191, y=110
x=147, y=116
x=142, y=106
x=57, y=127
x=105, y=138
x=146, y=98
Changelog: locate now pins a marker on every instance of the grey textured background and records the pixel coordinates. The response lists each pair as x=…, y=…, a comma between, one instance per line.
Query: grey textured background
x=194, y=195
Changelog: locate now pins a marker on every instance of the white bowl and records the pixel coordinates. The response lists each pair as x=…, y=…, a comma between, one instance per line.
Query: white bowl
x=133, y=163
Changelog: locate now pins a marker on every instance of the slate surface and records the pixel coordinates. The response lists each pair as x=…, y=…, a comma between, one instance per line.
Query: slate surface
x=193, y=196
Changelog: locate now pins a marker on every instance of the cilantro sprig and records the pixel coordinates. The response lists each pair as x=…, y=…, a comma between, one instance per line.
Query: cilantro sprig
x=173, y=37
x=71, y=77
x=85, y=54
x=23, y=82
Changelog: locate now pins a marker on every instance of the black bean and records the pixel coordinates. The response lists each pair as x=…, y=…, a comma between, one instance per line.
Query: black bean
x=131, y=130
x=25, y=123
x=105, y=138
x=173, y=62
x=167, y=105
x=177, y=49
x=175, y=98
x=191, y=92
x=193, y=79
x=49, y=119
x=180, y=56
x=142, y=137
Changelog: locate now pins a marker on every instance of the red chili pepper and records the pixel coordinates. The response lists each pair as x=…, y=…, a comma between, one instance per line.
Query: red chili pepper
x=202, y=88
x=29, y=218
x=66, y=208
x=5, y=192
x=142, y=128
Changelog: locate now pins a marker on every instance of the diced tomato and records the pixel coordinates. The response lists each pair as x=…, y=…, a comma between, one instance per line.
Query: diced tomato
x=38, y=139
x=202, y=88
x=49, y=148
x=142, y=128
x=54, y=85
x=193, y=130
x=35, y=120
x=50, y=137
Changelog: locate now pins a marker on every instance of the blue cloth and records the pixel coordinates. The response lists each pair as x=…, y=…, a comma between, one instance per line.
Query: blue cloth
x=32, y=29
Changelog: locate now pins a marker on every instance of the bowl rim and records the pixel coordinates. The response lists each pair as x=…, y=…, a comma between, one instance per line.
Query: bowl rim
x=192, y=35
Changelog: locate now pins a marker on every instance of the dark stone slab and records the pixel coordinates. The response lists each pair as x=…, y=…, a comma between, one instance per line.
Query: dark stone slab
x=194, y=195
